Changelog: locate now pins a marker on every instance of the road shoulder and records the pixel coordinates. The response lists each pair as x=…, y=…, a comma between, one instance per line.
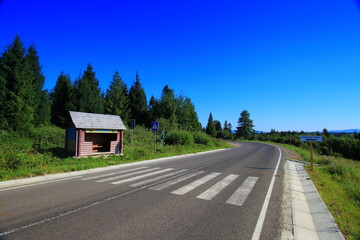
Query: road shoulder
x=310, y=216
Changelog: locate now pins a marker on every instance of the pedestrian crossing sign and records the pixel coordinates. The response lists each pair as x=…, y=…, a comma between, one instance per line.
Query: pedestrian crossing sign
x=155, y=126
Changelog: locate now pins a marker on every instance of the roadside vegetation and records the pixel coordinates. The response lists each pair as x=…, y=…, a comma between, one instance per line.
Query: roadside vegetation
x=42, y=151
x=338, y=181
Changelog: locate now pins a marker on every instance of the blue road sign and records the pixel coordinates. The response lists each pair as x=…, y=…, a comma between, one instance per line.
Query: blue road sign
x=311, y=138
x=155, y=126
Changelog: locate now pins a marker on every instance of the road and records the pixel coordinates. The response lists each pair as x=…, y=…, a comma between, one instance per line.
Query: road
x=217, y=195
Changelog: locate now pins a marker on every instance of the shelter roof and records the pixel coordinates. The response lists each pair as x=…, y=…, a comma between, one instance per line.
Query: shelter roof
x=96, y=121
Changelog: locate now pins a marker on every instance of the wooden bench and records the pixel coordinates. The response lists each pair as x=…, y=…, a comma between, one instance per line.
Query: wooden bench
x=96, y=147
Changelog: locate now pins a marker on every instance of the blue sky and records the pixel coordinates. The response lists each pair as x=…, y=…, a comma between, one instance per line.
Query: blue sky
x=294, y=65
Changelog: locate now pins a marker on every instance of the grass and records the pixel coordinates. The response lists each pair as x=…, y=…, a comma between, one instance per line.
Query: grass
x=42, y=152
x=338, y=181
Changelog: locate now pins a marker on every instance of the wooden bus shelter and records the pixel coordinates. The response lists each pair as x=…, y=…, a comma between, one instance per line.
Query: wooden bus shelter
x=92, y=134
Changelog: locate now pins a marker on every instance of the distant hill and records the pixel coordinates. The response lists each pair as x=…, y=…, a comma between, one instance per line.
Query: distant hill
x=345, y=131
x=330, y=131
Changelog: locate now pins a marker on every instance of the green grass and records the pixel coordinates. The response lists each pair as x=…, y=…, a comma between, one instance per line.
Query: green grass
x=42, y=152
x=338, y=182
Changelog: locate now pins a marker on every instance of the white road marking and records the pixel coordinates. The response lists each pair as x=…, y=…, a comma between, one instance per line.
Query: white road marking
x=175, y=181
x=240, y=195
x=72, y=211
x=40, y=183
x=157, y=178
x=214, y=190
x=113, y=173
x=195, y=184
x=260, y=222
x=126, y=175
x=142, y=176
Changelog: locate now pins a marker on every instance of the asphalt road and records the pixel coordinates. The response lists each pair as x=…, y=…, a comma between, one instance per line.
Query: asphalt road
x=218, y=195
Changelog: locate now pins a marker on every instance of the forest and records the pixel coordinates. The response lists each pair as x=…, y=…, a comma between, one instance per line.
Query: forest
x=24, y=103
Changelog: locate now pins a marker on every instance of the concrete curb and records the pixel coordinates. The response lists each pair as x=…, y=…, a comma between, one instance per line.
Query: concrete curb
x=311, y=218
x=71, y=175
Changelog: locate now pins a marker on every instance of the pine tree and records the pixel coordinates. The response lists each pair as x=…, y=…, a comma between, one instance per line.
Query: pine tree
x=226, y=126
x=168, y=109
x=230, y=127
x=117, y=98
x=87, y=92
x=210, y=127
x=245, y=125
x=186, y=114
x=138, y=103
x=61, y=100
x=217, y=125
x=43, y=109
x=154, y=109
x=326, y=132
x=167, y=103
x=19, y=98
x=3, y=121
x=41, y=103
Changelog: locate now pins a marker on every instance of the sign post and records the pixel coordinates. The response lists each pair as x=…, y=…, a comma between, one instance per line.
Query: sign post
x=155, y=128
x=311, y=139
x=163, y=138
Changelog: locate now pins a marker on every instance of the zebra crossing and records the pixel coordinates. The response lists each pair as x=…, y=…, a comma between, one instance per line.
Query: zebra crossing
x=158, y=179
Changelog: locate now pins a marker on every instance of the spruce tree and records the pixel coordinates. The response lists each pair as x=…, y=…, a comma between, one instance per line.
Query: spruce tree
x=18, y=78
x=154, y=109
x=217, y=125
x=210, y=127
x=186, y=114
x=87, y=92
x=167, y=103
x=226, y=126
x=138, y=103
x=168, y=108
x=245, y=125
x=3, y=121
x=61, y=101
x=117, y=98
x=41, y=103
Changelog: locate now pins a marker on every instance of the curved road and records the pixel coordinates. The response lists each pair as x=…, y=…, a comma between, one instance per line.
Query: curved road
x=217, y=195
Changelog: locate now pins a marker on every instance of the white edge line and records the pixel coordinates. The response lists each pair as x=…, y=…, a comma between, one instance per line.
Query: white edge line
x=34, y=184
x=261, y=219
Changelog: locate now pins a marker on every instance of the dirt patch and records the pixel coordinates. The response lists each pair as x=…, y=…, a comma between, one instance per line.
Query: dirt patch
x=290, y=154
x=234, y=143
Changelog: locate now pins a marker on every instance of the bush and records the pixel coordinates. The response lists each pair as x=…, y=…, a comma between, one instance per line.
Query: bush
x=47, y=137
x=202, y=138
x=337, y=169
x=179, y=138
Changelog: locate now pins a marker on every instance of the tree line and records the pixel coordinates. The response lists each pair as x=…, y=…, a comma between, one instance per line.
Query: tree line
x=346, y=145
x=244, y=130
x=24, y=103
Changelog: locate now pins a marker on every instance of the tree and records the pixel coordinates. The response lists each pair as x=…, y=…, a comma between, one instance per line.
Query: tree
x=117, y=98
x=326, y=132
x=154, y=109
x=210, y=127
x=87, y=92
x=226, y=126
x=61, y=100
x=186, y=114
x=18, y=78
x=137, y=102
x=217, y=125
x=245, y=125
x=41, y=103
x=3, y=121
x=43, y=109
